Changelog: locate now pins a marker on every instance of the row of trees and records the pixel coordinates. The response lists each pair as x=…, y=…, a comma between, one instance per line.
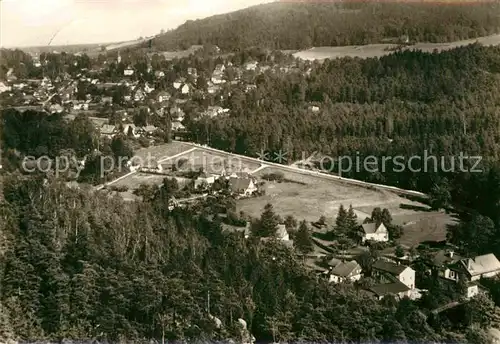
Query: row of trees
x=295, y=25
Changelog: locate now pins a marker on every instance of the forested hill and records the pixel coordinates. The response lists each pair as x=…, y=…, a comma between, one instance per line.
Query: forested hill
x=286, y=25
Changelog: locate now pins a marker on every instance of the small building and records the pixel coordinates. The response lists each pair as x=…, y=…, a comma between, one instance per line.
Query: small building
x=159, y=74
x=251, y=66
x=397, y=289
x=204, y=179
x=108, y=130
x=185, y=89
x=128, y=72
x=485, y=266
x=148, y=130
x=163, y=96
x=242, y=187
x=346, y=272
x=131, y=129
x=389, y=272
x=374, y=232
x=282, y=233
x=177, y=126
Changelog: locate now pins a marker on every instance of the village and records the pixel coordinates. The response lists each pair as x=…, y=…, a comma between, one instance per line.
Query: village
x=151, y=106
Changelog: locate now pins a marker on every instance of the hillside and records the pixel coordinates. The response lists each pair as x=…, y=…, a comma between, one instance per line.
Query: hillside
x=287, y=25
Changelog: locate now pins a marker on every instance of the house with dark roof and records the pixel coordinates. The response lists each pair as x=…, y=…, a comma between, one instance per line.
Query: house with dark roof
x=374, y=232
x=389, y=272
x=242, y=186
x=346, y=272
x=396, y=289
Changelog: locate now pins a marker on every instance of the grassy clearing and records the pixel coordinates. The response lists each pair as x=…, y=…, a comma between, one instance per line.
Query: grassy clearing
x=212, y=162
x=377, y=50
x=314, y=196
x=162, y=151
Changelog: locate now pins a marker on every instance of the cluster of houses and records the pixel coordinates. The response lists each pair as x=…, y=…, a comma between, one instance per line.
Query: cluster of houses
x=396, y=277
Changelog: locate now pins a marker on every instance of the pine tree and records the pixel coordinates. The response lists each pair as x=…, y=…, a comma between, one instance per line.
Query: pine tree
x=303, y=240
x=341, y=225
x=351, y=220
x=268, y=224
x=377, y=216
x=386, y=217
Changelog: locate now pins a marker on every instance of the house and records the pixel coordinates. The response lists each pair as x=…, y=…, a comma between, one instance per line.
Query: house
x=185, y=89
x=152, y=167
x=374, y=232
x=251, y=66
x=250, y=87
x=282, y=233
x=220, y=68
x=108, y=130
x=214, y=111
x=192, y=71
x=56, y=108
x=178, y=126
x=4, y=88
x=149, y=129
x=346, y=272
x=204, y=179
x=314, y=108
x=159, y=74
x=389, y=272
x=473, y=269
x=163, y=96
x=148, y=89
x=242, y=187
x=128, y=72
x=178, y=83
x=176, y=113
x=139, y=95
x=131, y=129
x=212, y=89
x=397, y=289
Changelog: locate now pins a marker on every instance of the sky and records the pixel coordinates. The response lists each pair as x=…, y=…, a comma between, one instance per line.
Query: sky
x=35, y=22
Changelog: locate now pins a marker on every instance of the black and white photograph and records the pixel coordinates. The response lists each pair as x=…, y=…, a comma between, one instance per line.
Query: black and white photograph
x=249, y=171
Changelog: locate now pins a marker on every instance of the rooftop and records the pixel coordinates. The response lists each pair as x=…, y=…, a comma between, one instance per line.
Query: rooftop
x=389, y=267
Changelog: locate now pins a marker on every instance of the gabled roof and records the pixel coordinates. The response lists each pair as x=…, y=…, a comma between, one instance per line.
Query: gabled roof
x=481, y=264
x=389, y=267
x=281, y=231
x=107, y=129
x=239, y=184
x=345, y=269
x=371, y=228
x=389, y=288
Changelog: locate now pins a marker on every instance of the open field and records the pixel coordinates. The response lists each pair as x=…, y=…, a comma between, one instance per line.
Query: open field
x=377, y=50
x=135, y=180
x=309, y=197
x=213, y=162
x=162, y=151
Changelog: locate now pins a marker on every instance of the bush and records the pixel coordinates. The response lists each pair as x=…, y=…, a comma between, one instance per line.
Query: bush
x=275, y=176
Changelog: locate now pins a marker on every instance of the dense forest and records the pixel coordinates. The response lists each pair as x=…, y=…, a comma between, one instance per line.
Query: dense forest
x=403, y=104
x=299, y=25
x=76, y=264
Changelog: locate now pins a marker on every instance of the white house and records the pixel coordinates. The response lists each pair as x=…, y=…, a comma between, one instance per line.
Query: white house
x=204, y=179
x=128, y=72
x=282, y=233
x=251, y=66
x=345, y=272
x=391, y=272
x=163, y=96
x=108, y=130
x=375, y=233
x=185, y=89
